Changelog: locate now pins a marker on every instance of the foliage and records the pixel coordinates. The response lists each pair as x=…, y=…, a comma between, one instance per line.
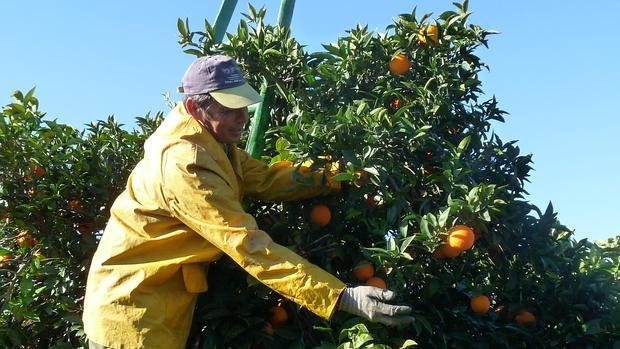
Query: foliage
x=416, y=157
x=424, y=140
x=56, y=186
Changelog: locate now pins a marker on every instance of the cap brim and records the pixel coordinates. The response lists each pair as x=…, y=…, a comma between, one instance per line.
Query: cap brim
x=237, y=97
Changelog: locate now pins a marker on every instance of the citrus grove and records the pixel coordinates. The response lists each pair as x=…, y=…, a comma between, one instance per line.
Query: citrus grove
x=432, y=203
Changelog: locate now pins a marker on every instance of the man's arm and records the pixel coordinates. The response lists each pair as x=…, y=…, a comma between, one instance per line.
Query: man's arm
x=284, y=181
x=203, y=200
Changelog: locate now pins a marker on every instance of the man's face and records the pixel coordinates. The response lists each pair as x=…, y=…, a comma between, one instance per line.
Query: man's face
x=225, y=124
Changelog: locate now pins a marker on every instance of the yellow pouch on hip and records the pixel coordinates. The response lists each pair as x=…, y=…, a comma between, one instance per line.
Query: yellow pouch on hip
x=195, y=277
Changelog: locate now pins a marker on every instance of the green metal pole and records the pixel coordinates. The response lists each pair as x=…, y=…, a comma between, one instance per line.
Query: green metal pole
x=223, y=18
x=286, y=13
x=260, y=122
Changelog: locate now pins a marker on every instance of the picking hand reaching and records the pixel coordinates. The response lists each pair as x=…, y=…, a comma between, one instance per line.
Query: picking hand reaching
x=370, y=303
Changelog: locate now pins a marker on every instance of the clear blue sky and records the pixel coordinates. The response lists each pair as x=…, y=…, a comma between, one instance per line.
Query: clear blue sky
x=554, y=68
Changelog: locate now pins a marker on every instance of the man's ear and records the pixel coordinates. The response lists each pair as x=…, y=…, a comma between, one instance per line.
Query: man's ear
x=190, y=106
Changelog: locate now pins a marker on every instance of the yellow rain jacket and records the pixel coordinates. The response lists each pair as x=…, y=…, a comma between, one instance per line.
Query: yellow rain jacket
x=181, y=210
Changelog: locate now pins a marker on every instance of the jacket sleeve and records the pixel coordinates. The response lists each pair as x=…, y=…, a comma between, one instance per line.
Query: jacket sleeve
x=284, y=181
x=200, y=198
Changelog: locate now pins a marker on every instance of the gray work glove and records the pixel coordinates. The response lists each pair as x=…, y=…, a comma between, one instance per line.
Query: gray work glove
x=369, y=303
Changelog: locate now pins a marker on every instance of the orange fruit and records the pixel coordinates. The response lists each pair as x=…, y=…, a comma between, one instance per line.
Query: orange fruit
x=362, y=178
x=431, y=31
x=4, y=259
x=75, y=205
x=446, y=251
x=320, y=215
x=26, y=240
x=268, y=329
x=428, y=169
x=85, y=227
x=364, y=271
x=376, y=282
x=480, y=304
x=395, y=103
x=371, y=202
x=438, y=254
x=279, y=316
x=461, y=237
x=37, y=170
x=399, y=65
x=524, y=317
x=282, y=164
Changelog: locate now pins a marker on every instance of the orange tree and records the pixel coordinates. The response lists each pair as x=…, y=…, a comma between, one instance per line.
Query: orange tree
x=56, y=188
x=403, y=115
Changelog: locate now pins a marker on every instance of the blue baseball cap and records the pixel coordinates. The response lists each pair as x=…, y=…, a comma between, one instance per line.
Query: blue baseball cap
x=219, y=76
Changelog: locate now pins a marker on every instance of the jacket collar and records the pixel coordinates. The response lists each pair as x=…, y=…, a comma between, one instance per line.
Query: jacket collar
x=219, y=152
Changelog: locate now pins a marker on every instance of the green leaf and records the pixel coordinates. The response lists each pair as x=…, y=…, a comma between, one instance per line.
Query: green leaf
x=406, y=242
x=464, y=144
x=443, y=217
x=424, y=322
x=361, y=108
x=391, y=245
x=282, y=144
x=403, y=228
x=343, y=177
x=272, y=52
x=424, y=227
x=194, y=52
x=372, y=171
x=408, y=344
x=181, y=27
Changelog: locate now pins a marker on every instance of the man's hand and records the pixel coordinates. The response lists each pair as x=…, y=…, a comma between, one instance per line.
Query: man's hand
x=369, y=303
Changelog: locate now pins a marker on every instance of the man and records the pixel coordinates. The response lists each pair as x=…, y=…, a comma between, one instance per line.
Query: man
x=182, y=209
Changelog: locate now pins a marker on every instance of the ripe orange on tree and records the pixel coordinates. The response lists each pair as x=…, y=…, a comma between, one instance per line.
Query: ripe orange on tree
x=480, y=304
x=399, y=65
x=395, y=104
x=26, y=240
x=446, y=251
x=75, y=205
x=85, y=227
x=524, y=317
x=362, y=178
x=428, y=169
x=376, y=282
x=461, y=237
x=437, y=254
x=37, y=170
x=279, y=316
x=430, y=31
x=320, y=215
x=364, y=271
x=371, y=202
x=4, y=259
